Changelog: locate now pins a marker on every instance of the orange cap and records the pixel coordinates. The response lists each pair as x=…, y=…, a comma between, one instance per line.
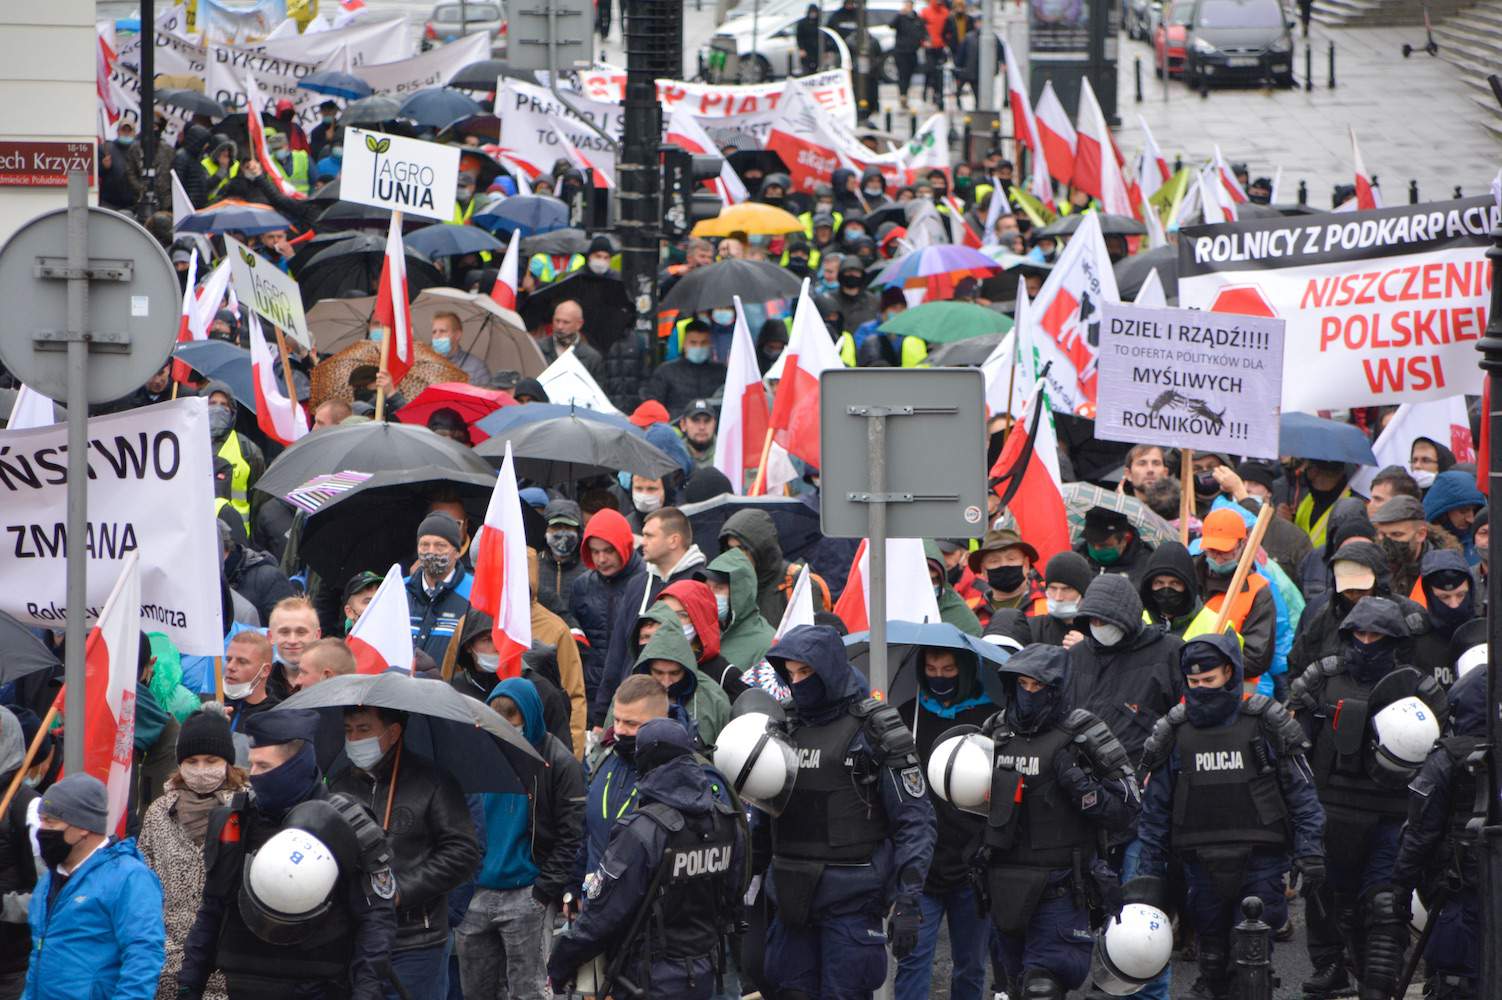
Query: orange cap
x=1223, y=531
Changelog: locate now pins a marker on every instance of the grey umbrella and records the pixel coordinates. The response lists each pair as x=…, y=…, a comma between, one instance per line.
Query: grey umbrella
x=482, y=751
x=372, y=447
x=706, y=288
x=23, y=653
x=563, y=449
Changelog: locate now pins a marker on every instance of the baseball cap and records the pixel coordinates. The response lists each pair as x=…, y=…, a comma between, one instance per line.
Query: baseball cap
x=697, y=407
x=1353, y=575
x=1400, y=508
x=1223, y=531
x=361, y=581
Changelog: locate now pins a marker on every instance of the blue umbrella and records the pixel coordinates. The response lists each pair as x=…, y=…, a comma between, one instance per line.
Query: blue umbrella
x=222, y=362
x=438, y=107
x=905, y=639
x=1305, y=436
x=531, y=213
x=444, y=240
x=336, y=84
x=234, y=216
x=509, y=417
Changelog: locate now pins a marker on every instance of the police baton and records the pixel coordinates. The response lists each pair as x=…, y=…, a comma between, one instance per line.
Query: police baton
x=1418, y=949
x=390, y=973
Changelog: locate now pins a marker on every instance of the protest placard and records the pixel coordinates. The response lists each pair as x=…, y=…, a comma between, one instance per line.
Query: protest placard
x=531, y=118
x=435, y=68
x=1382, y=306
x=741, y=106
x=1190, y=379
x=409, y=175
x=271, y=292
x=151, y=490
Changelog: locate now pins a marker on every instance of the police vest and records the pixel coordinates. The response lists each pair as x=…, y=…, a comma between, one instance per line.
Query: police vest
x=212, y=169
x=1339, y=759
x=696, y=901
x=239, y=494
x=828, y=817
x=1033, y=822
x=1227, y=790
x=1462, y=861
x=234, y=835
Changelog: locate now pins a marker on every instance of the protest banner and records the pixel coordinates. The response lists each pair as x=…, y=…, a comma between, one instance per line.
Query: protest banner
x=435, y=68
x=529, y=116
x=407, y=175
x=276, y=78
x=726, y=105
x=365, y=43
x=814, y=145
x=218, y=22
x=151, y=490
x=268, y=290
x=1190, y=378
x=1382, y=306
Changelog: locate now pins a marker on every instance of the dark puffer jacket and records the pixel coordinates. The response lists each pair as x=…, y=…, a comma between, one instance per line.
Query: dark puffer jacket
x=594, y=597
x=627, y=363
x=1318, y=635
x=258, y=579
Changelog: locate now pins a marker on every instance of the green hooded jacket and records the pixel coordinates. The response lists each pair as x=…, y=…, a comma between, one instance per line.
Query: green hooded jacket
x=704, y=701
x=745, y=639
x=952, y=607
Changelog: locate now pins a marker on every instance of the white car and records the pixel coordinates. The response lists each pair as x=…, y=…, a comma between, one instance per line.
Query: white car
x=748, y=49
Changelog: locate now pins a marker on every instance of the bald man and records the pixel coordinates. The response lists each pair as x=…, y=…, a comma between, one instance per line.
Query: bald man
x=567, y=330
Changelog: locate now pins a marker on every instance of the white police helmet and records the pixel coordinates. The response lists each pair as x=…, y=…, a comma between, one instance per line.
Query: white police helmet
x=959, y=769
x=286, y=886
x=754, y=754
x=1406, y=731
x=1131, y=949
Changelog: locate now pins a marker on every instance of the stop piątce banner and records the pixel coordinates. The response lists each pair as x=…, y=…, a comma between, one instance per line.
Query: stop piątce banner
x=1381, y=307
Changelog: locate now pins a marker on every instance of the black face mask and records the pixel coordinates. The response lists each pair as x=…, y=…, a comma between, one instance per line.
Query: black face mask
x=850, y=282
x=1210, y=706
x=953, y=574
x=1005, y=579
x=1447, y=619
x=625, y=747
x=54, y=848
x=1171, y=603
x=1205, y=485
x=1399, y=554
x=798, y=265
x=1031, y=708
x=1369, y=662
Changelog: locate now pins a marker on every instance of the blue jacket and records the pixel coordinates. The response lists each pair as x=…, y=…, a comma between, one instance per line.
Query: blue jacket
x=435, y=618
x=102, y=938
x=1454, y=490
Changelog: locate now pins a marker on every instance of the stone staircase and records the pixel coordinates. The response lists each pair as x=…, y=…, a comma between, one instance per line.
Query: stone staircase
x=1471, y=40
x=1373, y=13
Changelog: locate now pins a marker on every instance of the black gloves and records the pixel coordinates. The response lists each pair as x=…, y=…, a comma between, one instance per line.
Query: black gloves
x=1310, y=869
x=902, y=928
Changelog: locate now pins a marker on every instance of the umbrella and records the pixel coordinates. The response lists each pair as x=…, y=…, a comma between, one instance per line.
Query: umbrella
x=1305, y=436
x=561, y=241
x=234, y=216
x=8, y=402
x=24, y=652
x=336, y=539
x=336, y=84
x=192, y=101
x=735, y=139
x=370, y=447
x=946, y=322
x=751, y=218
x=602, y=298
x=358, y=362
x=530, y=213
x=947, y=259
x=221, y=362
x=491, y=332
x=1110, y=225
x=797, y=521
x=470, y=401
x=750, y=157
x=337, y=323
x=972, y=352
x=354, y=264
x=512, y=417
x=473, y=160
x=564, y=449
x=348, y=215
x=1080, y=497
x=482, y=75
x=711, y=287
x=904, y=642
x=370, y=111
x=444, y=240
x=1132, y=271
x=459, y=735
x=485, y=125
x=1010, y=261
x=436, y=107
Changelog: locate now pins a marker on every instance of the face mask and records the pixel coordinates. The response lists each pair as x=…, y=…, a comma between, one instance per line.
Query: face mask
x=954, y=573
x=722, y=608
x=942, y=687
x=798, y=265
x=853, y=233
x=1423, y=477
x=435, y=565
x=1171, y=603
x=125, y=140
x=625, y=747
x=329, y=119
x=808, y=694
x=221, y=420
x=364, y=753
x=1106, y=557
x=283, y=787
x=202, y=779
x=722, y=317
x=1107, y=635
x=442, y=345
x=376, y=334
x=1210, y=706
x=597, y=266
x=824, y=208
x=1220, y=567
x=1205, y=485
x=1031, y=706
x=850, y=282
x=1399, y=554
x=236, y=692
x=1065, y=610
x=53, y=847
x=488, y=662
x=696, y=355
x=337, y=152
x=688, y=631
x=646, y=503
x=1005, y=579
x=1368, y=662
x=563, y=543
x=873, y=191
x=1447, y=619
x=564, y=339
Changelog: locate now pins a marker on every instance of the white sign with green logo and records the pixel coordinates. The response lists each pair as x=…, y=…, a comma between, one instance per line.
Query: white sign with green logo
x=268, y=290
x=407, y=175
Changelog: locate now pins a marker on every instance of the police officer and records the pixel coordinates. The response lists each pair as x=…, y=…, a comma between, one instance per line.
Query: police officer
x=1061, y=781
x=1229, y=792
x=1337, y=699
x=667, y=891
x=329, y=944
x=856, y=836
x=1439, y=851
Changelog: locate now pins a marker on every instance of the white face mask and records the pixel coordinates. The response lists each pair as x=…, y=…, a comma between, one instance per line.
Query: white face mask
x=688, y=631
x=1063, y=609
x=235, y=692
x=1107, y=634
x=722, y=607
x=646, y=502
x=598, y=266
x=1423, y=477
x=202, y=778
x=488, y=662
x=364, y=753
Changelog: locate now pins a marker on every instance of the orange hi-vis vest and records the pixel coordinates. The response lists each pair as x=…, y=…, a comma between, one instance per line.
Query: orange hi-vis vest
x=1241, y=604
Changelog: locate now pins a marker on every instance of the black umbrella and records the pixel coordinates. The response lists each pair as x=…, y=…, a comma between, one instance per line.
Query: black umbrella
x=482, y=75
x=560, y=241
x=1110, y=225
x=797, y=521
x=444, y=240
x=972, y=351
x=192, y=101
x=438, y=107
x=1131, y=272
x=459, y=735
x=24, y=652
x=336, y=540
x=370, y=111
x=349, y=215
x=564, y=449
x=372, y=447
x=712, y=287
x=764, y=160
x=904, y=641
x=602, y=297
x=354, y=264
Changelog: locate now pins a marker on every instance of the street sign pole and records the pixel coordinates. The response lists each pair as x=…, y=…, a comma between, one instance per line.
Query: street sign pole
x=985, y=96
x=148, y=107
x=876, y=547
x=78, y=463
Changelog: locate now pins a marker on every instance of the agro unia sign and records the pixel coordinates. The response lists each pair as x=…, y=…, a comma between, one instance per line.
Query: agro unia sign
x=407, y=175
x=273, y=295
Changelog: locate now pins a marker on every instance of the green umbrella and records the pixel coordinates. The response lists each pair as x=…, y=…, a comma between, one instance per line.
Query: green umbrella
x=946, y=322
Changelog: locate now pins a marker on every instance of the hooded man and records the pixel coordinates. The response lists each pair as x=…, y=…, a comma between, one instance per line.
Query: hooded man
x=666, y=656
x=857, y=303
x=559, y=563
x=1359, y=569
x=755, y=533
x=1254, y=613
x=549, y=629
x=1452, y=503
x=1324, y=483
x=244, y=455
x=694, y=604
x=1450, y=594
x=952, y=607
x=1170, y=588
x=745, y=636
x=611, y=565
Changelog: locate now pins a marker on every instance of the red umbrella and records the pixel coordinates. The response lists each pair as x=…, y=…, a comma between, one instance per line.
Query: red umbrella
x=470, y=401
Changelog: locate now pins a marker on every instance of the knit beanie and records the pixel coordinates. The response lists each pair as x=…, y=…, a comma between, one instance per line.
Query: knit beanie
x=206, y=731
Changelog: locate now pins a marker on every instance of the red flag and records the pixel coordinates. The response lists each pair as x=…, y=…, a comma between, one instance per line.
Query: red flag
x=502, y=587
x=1228, y=179
x=910, y=597
x=109, y=718
x=392, y=309
x=960, y=231
x=1038, y=502
x=199, y=308
x=809, y=353
x=1096, y=168
x=257, y=134
x=282, y=419
x=743, y=412
x=180, y=371
x=507, y=282
x=601, y=178
x=1056, y=133
x=382, y=635
x=1366, y=192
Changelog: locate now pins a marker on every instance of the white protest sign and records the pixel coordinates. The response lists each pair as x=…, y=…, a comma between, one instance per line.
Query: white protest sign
x=272, y=293
x=568, y=382
x=529, y=116
x=722, y=105
x=276, y=78
x=390, y=171
x=431, y=69
x=1190, y=379
x=151, y=490
x=368, y=42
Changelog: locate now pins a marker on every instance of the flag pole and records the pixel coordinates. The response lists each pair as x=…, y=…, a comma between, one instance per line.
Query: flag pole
x=380, y=403
x=26, y=762
x=219, y=679
x=761, y=468
x=281, y=347
x=1186, y=494
x=450, y=654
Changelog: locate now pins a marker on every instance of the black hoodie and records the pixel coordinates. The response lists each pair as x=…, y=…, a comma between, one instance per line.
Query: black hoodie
x=1171, y=559
x=1318, y=637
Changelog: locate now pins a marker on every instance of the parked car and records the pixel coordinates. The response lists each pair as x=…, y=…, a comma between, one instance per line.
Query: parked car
x=1239, y=39
x=731, y=56
x=1140, y=17
x=1169, y=37
x=451, y=20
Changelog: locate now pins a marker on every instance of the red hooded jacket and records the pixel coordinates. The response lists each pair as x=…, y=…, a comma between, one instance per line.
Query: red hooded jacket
x=610, y=526
x=698, y=600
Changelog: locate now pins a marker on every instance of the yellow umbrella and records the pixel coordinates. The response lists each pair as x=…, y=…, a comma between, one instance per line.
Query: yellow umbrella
x=752, y=218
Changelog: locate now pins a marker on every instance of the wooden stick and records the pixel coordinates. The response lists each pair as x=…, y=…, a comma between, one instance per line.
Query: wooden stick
x=219, y=679
x=452, y=652
x=281, y=347
x=31, y=752
x=174, y=388
x=761, y=469
x=1186, y=493
x=396, y=766
x=1016, y=352
x=1243, y=566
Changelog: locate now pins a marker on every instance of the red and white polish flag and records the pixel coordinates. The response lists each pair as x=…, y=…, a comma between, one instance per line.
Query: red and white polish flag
x=910, y=595
x=393, y=310
x=109, y=718
x=502, y=587
x=1228, y=180
x=743, y=412
x=382, y=637
x=578, y=159
x=1057, y=134
x=257, y=132
x=684, y=130
x=1367, y=193
x=507, y=279
x=281, y=418
x=1096, y=167
x=810, y=353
